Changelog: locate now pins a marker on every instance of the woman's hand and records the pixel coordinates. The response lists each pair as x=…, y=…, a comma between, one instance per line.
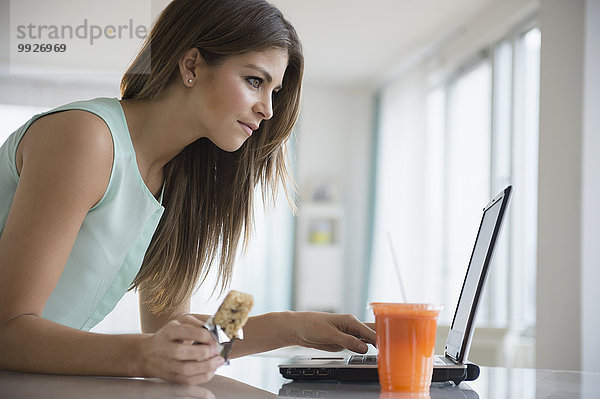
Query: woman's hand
x=170, y=353
x=330, y=332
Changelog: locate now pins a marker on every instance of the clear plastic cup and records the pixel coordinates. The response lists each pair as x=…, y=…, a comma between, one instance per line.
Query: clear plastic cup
x=406, y=342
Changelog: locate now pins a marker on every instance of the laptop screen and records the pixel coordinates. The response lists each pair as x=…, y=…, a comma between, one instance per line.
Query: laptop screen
x=459, y=337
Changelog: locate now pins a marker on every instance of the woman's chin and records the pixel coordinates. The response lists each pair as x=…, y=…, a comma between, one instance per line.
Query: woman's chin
x=230, y=146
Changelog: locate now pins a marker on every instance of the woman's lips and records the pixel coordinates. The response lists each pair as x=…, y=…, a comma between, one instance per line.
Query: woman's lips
x=248, y=128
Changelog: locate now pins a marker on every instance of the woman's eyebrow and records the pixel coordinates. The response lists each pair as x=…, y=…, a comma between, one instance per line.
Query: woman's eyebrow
x=267, y=75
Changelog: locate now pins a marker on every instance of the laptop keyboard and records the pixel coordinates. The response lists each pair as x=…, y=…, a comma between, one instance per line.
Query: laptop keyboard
x=363, y=359
x=372, y=360
x=437, y=361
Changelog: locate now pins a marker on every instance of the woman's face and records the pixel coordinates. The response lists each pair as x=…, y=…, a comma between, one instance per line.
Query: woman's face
x=236, y=96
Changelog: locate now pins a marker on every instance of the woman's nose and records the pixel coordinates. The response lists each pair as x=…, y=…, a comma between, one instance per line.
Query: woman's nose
x=264, y=108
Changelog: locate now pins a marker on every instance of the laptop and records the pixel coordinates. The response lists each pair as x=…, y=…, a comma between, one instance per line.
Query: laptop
x=452, y=365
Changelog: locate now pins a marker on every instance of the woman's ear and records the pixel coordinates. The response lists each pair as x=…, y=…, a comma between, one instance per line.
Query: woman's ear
x=188, y=66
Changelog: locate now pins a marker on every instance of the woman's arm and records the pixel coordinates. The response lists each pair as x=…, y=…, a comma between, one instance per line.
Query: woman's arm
x=30, y=343
x=152, y=322
x=325, y=331
x=64, y=162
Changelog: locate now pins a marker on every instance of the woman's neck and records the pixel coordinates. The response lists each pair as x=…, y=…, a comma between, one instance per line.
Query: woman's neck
x=158, y=132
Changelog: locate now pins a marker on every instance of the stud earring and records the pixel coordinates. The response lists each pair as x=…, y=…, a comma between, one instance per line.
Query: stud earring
x=189, y=80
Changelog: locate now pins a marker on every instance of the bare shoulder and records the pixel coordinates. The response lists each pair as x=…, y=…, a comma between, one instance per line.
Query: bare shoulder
x=73, y=130
x=74, y=145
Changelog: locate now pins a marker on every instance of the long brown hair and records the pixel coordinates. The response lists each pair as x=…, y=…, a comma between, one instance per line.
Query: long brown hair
x=208, y=193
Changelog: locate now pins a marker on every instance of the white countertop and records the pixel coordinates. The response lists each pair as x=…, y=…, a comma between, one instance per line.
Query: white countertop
x=258, y=377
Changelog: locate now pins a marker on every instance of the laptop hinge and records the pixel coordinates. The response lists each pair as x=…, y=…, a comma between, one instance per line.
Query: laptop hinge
x=448, y=356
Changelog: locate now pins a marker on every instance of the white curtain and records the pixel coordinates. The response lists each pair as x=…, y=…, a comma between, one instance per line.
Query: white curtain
x=433, y=178
x=403, y=186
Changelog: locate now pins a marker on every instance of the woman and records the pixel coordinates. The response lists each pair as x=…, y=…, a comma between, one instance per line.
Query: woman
x=102, y=196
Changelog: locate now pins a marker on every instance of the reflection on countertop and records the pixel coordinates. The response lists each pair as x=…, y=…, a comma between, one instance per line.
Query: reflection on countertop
x=29, y=386
x=370, y=391
x=505, y=383
x=25, y=385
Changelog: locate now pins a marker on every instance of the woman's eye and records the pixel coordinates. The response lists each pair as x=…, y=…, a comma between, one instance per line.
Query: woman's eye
x=255, y=82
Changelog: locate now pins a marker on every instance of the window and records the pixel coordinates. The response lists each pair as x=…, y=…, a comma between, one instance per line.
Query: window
x=444, y=151
x=466, y=175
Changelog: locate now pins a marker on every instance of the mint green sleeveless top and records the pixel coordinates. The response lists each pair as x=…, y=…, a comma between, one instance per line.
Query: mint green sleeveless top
x=115, y=233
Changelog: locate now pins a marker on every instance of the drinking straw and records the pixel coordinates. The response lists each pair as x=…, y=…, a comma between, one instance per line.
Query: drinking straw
x=396, y=266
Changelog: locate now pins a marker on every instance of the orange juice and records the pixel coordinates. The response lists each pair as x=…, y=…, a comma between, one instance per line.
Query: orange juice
x=406, y=342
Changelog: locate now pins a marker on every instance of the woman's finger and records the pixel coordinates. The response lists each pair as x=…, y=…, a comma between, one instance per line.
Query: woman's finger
x=182, y=351
x=190, y=368
x=177, y=331
x=350, y=324
x=352, y=343
x=192, y=372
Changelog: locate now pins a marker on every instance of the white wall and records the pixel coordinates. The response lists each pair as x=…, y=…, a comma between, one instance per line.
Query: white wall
x=36, y=90
x=590, y=253
x=334, y=141
x=568, y=232
x=559, y=214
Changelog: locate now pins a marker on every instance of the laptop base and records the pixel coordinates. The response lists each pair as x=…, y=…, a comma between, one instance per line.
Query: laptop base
x=469, y=373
